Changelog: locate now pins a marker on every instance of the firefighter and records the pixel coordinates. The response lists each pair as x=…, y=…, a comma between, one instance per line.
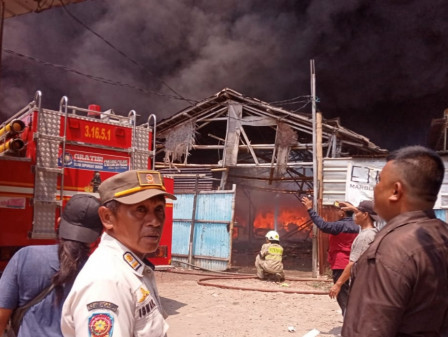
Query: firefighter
x=116, y=293
x=96, y=181
x=269, y=260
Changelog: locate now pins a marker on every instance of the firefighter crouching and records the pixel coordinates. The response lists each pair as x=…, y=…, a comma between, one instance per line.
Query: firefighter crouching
x=269, y=260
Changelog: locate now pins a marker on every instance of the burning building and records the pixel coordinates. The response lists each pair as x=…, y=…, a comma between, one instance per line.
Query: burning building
x=262, y=152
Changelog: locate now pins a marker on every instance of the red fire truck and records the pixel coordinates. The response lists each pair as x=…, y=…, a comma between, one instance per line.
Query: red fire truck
x=47, y=156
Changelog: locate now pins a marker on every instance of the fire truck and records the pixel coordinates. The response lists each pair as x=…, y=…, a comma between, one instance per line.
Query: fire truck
x=47, y=156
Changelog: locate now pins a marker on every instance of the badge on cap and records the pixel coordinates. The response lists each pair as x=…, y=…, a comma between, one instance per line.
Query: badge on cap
x=150, y=179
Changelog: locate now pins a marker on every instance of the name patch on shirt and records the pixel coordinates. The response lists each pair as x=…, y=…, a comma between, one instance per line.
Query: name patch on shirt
x=102, y=305
x=101, y=325
x=146, y=309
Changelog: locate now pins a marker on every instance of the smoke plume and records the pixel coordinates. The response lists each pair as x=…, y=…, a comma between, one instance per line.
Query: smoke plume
x=381, y=66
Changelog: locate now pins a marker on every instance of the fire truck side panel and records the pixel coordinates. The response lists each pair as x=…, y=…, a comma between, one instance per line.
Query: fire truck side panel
x=16, y=210
x=92, y=150
x=86, y=167
x=96, y=132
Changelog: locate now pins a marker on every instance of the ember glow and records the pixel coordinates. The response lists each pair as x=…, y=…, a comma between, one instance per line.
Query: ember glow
x=289, y=221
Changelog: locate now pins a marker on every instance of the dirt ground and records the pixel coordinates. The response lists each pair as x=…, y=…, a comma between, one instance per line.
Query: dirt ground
x=273, y=309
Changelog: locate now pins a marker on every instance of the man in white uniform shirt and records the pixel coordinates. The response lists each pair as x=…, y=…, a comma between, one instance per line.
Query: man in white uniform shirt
x=115, y=293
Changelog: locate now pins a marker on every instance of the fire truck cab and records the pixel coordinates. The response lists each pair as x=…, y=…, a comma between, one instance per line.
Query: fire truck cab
x=47, y=156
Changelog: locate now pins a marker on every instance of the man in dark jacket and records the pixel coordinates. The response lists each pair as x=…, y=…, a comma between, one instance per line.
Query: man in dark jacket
x=343, y=232
x=399, y=285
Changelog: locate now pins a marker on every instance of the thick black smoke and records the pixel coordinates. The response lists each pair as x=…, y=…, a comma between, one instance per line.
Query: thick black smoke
x=381, y=66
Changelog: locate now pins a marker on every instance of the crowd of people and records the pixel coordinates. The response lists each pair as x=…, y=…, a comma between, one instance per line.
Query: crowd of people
x=388, y=282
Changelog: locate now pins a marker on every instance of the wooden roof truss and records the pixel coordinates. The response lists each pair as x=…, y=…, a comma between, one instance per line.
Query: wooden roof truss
x=248, y=139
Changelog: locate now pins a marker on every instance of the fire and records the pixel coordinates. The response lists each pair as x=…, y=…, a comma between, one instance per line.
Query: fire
x=282, y=213
x=287, y=219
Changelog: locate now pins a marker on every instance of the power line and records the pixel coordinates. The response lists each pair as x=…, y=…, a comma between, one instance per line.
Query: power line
x=293, y=100
x=179, y=96
x=91, y=77
x=108, y=81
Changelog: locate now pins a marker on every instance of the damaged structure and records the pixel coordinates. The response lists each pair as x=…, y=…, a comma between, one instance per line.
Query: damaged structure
x=262, y=152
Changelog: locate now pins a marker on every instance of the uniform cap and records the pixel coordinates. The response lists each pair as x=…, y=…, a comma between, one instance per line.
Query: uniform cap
x=132, y=187
x=367, y=206
x=80, y=220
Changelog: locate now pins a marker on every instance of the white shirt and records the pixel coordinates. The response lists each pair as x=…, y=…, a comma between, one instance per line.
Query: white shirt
x=115, y=294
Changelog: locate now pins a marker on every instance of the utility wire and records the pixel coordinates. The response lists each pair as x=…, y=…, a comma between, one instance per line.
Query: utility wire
x=179, y=96
x=106, y=80
x=91, y=77
x=293, y=100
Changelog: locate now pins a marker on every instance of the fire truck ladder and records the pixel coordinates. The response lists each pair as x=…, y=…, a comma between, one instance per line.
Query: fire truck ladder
x=140, y=143
x=46, y=170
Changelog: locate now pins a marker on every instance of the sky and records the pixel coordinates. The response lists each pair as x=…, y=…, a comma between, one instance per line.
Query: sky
x=381, y=66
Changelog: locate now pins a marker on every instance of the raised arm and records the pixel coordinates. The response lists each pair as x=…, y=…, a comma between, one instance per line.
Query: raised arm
x=335, y=227
x=345, y=225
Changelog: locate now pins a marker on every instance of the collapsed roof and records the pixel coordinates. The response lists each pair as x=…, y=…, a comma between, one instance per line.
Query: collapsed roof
x=231, y=131
x=238, y=113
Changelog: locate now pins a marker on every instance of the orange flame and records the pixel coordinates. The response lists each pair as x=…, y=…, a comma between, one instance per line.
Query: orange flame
x=285, y=219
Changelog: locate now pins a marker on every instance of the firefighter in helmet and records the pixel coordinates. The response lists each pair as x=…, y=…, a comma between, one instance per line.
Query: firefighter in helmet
x=269, y=260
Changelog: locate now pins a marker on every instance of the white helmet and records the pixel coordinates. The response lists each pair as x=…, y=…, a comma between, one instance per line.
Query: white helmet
x=272, y=235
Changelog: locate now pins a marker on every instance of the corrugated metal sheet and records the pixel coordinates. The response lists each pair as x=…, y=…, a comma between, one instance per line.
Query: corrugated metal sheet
x=188, y=179
x=442, y=203
x=212, y=238
x=335, y=178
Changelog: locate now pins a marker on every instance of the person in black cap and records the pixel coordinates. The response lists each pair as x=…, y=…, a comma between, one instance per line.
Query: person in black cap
x=35, y=268
x=116, y=291
x=365, y=217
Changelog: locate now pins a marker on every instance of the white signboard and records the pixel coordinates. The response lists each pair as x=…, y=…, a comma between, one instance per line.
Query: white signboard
x=360, y=182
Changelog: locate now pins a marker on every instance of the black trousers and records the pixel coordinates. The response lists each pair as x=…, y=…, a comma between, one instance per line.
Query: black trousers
x=343, y=294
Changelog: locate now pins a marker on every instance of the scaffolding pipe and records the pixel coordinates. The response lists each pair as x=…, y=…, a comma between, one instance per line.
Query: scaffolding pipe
x=133, y=118
x=63, y=108
x=314, y=253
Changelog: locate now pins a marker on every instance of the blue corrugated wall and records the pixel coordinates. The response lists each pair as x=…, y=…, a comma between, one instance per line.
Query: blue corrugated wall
x=212, y=240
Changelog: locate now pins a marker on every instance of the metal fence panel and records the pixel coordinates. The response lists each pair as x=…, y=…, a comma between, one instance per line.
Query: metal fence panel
x=211, y=242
